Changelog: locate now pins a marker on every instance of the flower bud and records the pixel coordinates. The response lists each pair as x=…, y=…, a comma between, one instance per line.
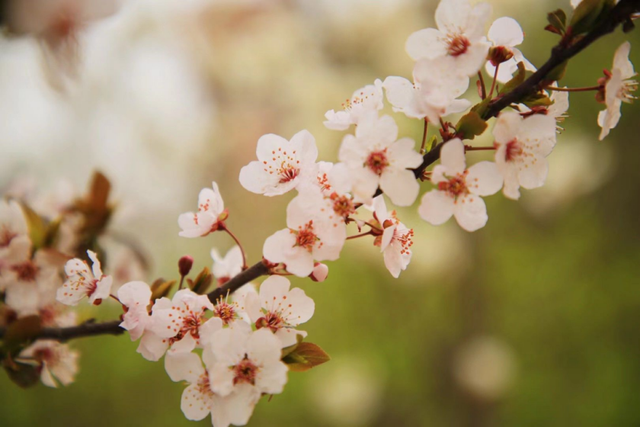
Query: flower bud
x=319, y=273
x=499, y=54
x=185, y=264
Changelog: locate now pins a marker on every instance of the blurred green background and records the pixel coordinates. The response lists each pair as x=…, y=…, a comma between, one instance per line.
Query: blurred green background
x=531, y=321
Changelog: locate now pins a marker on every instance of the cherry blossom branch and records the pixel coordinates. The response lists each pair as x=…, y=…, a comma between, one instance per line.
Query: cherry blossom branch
x=621, y=13
x=89, y=329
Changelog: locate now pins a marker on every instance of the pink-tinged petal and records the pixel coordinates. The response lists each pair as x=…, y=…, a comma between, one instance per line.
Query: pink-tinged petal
x=352, y=152
x=387, y=236
x=507, y=127
x=103, y=289
x=196, y=225
x=254, y=178
x=539, y=133
x=221, y=378
x=208, y=329
x=340, y=120
x=438, y=174
x=23, y=298
x=75, y=267
x=274, y=288
x=267, y=144
x=134, y=294
x=272, y=378
x=229, y=346
x=602, y=122
x=505, y=72
x=46, y=378
x=469, y=63
x=427, y=43
x=457, y=106
x=193, y=404
x=97, y=271
x=300, y=265
x=535, y=174
x=299, y=307
x=452, y=14
x=478, y=18
x=380, y=208
x=506, y=31
x=252, y=306
x=400, y=91
x=452, y=156
x=184, y=345
x=183, y=367
x=152, y=347
x=400, y=186
x=279, y=245
x=470, y=212
x=621, y=61
x=484, y=179
x=383, y=130
x=436, y=207
x=239, y=405
x=320, y=272
x=365, y=184
x=263, y=348
x=403, y=155
x=71, y=292
x=308, y=151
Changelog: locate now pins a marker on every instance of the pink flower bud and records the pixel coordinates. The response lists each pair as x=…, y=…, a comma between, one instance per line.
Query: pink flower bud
x=185, y=264
x=319, y=273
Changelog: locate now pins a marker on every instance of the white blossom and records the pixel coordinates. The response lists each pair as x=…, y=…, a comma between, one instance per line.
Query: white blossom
x=227, y=267
x=59, y=364
x=459, y=189
x=82, y=281
x=15, y=245
x=210, y=213
x=396, y=240
x=176, y=324
x=505, y=33
x=433, y=95
x=279, y=309
x=375, y=158
x=136, y=296
x=281, y=164
x=314, y=232
x=364, y=101
x=522, y=146
x=460, y=35
x=617, y=90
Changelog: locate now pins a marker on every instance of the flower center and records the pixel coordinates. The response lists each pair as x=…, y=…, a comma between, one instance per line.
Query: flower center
x=204, y=386
x=272, y=321
x=626, y=90
x=305, y=237
x=245, y=372
x=513, y=151
x=405, y=239
x=188, y=322
x=377, y=161
x=456, y=186
x=457, y=44
x=287, y=173
x=225, y=312
x=26, y=272
x=342, y=205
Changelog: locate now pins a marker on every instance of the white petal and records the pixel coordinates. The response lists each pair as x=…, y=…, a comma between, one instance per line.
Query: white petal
x=621, y=60
x=263, y=348
x=484, y=179
x=193, y=404
x=97, y=271
x=402, y=154
x=535, y=174
x=134, y=293
x=471, y=212
x=436, y=207
x=272, y=378
x=399, y=91
x=427, y=43
x=239, y=405
x=400, y=186
x=452, y=156
x=183, y=367
x=506, y=31
x=299, y=307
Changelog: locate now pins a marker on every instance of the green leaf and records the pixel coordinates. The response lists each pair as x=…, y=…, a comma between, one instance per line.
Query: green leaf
x=305, y=356
x=161, y=288
x=515, y=81
x=537, y=100
x=202, y=282
x=288, y=350
x=430, y=144
x=37, y=226
x=21, y=333
x=23, y=374
x=587, y=15
x=558, y=20
x=471, y=125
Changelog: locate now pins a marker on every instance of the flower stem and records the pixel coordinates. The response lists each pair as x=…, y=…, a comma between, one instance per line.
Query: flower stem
x=495, y=79
x=368, y=233
x=233, y=236
x=574, y=89
x=483, y=88
x=470, y=148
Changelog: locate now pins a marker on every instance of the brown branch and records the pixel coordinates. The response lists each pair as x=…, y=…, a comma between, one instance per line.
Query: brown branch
x=113, y=327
